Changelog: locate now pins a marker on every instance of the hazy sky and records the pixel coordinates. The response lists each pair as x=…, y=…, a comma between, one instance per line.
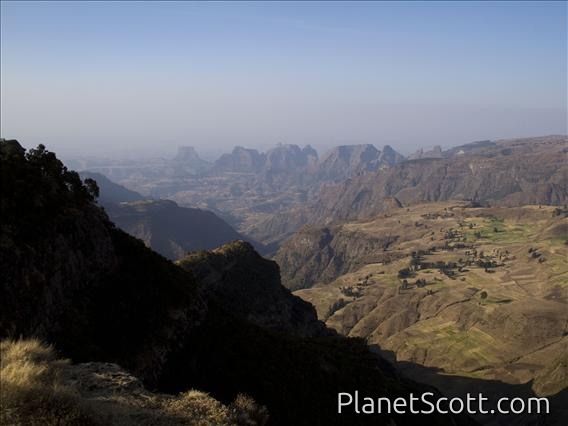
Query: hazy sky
x=105, y=78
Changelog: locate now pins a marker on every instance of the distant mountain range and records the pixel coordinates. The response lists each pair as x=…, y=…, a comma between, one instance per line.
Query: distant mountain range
x=267, y=196
x=337, y=164
x=284, y=159
x=245, y=187
x=505, y=173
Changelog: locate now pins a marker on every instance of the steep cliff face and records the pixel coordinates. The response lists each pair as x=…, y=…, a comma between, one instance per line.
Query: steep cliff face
x=389, y=156
x=186, y=154
x=240, y=160
x=189, y=161
x=346, y=160
x=319, y=255
x=311, y=155
x=171, y=230
x=281, y=159
x=435, y=152
x=286, y=158
x=247, y=285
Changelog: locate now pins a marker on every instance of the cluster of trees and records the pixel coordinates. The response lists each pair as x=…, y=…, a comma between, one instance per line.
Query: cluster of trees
x=534, y=254
x=48, y=186
x=336, y=306
x=561, y=211
x=420, y=283
x=350, y=291
x=405, y=273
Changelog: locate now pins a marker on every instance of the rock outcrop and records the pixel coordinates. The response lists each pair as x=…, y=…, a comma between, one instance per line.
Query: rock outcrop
x=287, y=159
x=348, y=160
x=284, y=158
x=189, y=160
x=435, y=152
x=319, y=255
x=240, y=160
x=249, y=286
x=389, y=156
x=186, y=154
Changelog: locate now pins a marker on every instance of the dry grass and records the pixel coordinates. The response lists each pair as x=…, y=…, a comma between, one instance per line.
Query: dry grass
x=245, y=411
x=37, y=388
x=508, y=337
x=30, y=390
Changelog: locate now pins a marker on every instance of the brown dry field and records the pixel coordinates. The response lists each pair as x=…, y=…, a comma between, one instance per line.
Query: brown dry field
x=517, y=334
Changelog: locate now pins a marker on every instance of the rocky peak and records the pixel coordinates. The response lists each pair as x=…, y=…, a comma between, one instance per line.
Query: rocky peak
x=186, y=154
x=390, y=156
x=285, y=158
x=309, y=151
x=247, y=285
x=347, y=160
x=187, y=162
x=435, y=152
x=240, y=160
x=352, y=152
x=320, y=254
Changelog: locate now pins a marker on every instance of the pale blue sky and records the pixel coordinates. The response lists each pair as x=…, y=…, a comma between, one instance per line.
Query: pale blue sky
x=104, y=78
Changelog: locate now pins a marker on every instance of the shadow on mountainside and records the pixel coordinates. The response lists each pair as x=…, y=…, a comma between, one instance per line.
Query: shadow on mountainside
x=459, y=386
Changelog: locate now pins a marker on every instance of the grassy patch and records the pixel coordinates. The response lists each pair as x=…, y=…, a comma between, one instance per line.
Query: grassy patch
x=39, y=389
x=458, y=348
x=390, y=280
x=498, y=231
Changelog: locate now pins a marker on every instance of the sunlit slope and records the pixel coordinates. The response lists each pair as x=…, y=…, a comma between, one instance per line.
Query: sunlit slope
x=494, y=303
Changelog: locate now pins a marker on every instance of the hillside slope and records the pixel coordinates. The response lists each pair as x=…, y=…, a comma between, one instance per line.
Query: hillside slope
x=171, y=230
x=111, y=192
x=476, y=293
x=165, y=227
